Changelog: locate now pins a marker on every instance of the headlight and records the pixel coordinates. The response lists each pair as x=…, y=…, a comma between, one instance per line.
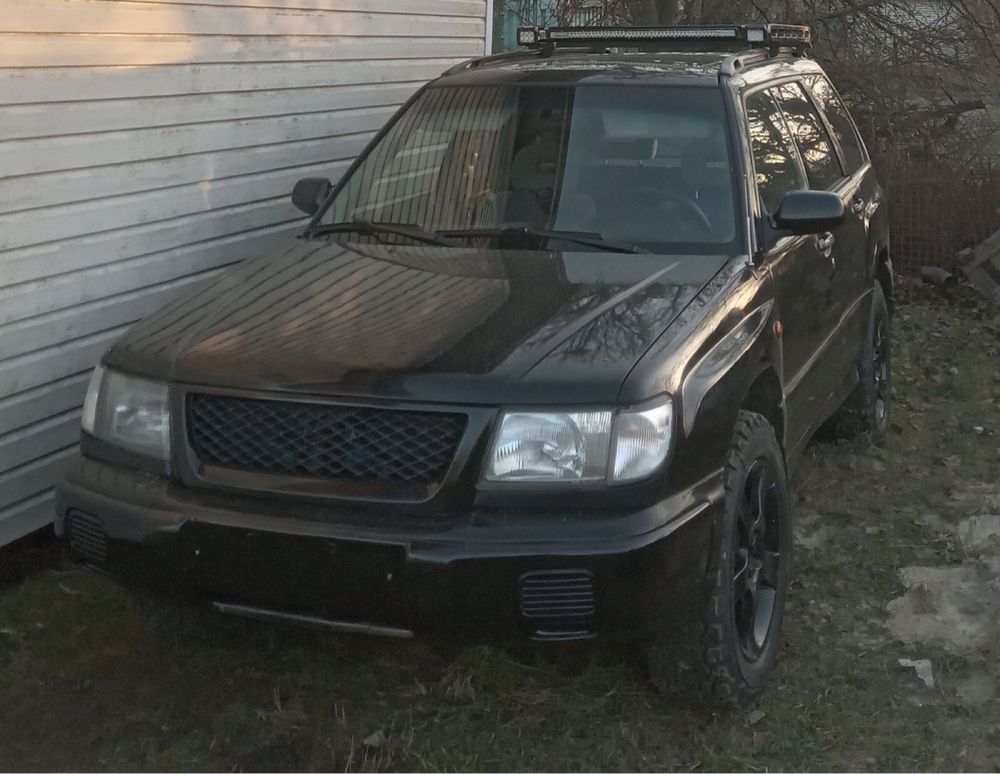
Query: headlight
x=642, y=441
x=128, y=412
x=551, y=447
x=581, y=445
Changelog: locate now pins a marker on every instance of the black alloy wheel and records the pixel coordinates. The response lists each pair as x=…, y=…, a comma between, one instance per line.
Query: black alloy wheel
x=729, y=651
x=757, y=559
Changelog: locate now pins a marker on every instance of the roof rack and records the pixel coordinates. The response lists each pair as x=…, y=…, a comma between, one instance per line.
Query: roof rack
x=797, y=37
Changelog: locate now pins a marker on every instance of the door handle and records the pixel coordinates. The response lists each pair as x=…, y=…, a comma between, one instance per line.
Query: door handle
x=824, y=242
x=858, y=205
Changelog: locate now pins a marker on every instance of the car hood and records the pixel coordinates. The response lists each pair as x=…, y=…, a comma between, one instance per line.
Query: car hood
x=420, y=323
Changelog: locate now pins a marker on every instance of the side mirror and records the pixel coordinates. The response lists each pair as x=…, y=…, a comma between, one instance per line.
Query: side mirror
x=809, y=212
x=310, y=192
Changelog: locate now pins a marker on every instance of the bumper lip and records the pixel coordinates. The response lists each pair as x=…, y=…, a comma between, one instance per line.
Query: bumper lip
x=278, y=616
x=135, y=506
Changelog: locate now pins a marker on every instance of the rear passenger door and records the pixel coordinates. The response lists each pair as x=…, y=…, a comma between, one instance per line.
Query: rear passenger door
x=846, y=245
x=860, y=190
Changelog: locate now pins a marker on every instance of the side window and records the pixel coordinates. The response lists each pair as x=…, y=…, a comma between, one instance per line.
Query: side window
x=840, y=121
x=818, y=154
x=776, y=166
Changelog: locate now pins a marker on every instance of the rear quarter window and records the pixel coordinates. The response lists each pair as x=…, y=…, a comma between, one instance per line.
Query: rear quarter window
x=814, y=143
x=840, y=121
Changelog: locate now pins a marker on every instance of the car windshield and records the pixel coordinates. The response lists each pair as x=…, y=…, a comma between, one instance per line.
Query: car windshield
x=643, y=167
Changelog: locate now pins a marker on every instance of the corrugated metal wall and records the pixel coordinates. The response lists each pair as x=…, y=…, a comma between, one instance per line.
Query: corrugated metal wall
x=145, y=145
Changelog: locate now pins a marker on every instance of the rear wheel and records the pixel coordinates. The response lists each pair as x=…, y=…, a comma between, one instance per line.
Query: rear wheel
x=734, y=647
x=866, y=411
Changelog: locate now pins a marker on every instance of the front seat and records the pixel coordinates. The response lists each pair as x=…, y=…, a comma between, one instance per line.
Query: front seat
x=532, y=181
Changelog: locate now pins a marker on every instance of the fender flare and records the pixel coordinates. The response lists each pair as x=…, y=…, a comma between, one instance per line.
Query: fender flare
x=720, y=360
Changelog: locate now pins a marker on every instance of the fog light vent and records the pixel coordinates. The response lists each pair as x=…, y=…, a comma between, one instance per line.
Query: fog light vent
x=87, y=538
x=558, y=604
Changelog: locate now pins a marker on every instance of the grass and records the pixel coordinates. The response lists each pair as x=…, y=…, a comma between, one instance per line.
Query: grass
x=94, y=675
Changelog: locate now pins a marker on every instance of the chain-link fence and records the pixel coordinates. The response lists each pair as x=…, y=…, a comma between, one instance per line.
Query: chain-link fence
x=937, y=208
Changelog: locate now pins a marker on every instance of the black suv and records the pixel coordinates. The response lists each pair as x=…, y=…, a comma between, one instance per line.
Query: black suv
x=537, y=366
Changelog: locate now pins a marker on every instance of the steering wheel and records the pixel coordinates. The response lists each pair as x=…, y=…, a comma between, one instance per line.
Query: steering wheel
x=649, y=199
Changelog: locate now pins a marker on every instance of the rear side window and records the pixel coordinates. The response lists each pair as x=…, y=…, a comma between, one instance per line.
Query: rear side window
x=818, y=154
x=840, y=121
x=776, y=166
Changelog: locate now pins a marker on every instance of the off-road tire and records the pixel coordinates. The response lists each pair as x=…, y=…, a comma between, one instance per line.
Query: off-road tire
x=707, y=664
x=866, y=411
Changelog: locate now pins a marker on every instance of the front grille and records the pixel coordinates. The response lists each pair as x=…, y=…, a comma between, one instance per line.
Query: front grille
x=87, y=538
x=558, y=604
x=346, y=443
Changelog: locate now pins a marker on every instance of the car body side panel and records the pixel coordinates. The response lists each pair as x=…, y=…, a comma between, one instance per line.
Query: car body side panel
x=823, y=302
x=803, y=289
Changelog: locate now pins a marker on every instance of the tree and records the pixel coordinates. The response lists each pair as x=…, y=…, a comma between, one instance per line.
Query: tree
x=920, y=79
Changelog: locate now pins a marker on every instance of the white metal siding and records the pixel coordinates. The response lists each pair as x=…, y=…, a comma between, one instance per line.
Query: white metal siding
x=146, y=144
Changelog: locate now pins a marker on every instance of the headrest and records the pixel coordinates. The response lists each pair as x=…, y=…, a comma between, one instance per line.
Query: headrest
x=634, y=149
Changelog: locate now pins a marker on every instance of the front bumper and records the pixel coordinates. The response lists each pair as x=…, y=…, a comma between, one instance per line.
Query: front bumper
x=475, y=572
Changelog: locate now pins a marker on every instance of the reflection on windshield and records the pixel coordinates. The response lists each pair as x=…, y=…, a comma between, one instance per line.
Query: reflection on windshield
x=635, y=165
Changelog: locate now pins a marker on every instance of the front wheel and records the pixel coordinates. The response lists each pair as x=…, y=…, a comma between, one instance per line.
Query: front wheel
x=735, y=645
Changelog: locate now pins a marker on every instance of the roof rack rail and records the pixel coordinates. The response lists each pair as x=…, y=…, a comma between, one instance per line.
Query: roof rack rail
x=797, y=37
x=733, y=64
x=476, y=61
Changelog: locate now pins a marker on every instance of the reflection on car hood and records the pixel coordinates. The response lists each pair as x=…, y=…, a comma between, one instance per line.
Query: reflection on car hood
x=420, y=323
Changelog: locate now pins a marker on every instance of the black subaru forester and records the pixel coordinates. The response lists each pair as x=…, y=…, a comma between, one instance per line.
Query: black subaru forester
x=538, y=365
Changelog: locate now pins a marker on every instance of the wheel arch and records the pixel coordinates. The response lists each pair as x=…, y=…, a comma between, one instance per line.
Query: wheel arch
x=750, y=383
x=766, y=397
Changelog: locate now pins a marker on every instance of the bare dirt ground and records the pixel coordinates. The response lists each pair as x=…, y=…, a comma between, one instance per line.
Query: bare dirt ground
x=898, y=558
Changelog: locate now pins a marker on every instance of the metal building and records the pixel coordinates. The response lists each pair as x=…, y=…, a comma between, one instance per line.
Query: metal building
x=145, y=145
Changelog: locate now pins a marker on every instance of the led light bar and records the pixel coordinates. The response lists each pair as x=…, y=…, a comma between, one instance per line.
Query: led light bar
x=792, y=33
x=753, y=35
x=527, y=36
x=642, y=33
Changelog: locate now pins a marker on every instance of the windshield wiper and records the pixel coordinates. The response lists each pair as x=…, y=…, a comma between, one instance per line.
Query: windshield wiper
x=369, y=227
x=589, y=238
